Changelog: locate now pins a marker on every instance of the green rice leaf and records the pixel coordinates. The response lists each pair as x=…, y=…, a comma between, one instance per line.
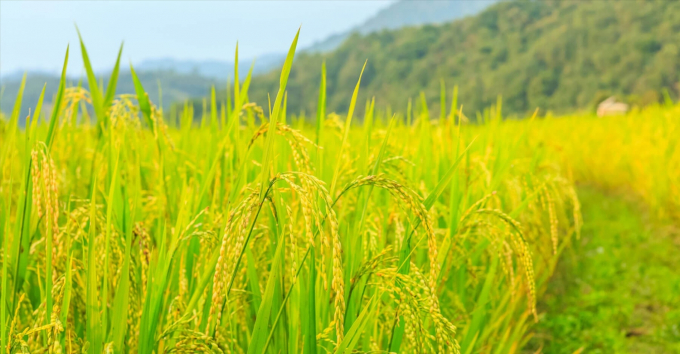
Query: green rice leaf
x=51, y=131
x=432, y=197
x=4, y=296
x=480, y=308
x=354, y=333
x=97, y=98
x=273, y=121
x=143, y=99
x=260, y=330
x=94, y=327
x=348, y=124
x=113, y=81
x=321, y=105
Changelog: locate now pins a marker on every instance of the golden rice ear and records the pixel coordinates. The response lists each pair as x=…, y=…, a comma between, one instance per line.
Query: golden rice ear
x=553, y=221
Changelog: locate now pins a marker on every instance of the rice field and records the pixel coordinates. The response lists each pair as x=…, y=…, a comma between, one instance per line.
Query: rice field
x=129, y=230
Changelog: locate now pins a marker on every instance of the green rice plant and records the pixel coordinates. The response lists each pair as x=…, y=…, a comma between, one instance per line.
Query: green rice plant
x=256, y=231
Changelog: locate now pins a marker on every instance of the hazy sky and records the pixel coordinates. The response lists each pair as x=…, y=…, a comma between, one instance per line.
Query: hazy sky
x=34, y=34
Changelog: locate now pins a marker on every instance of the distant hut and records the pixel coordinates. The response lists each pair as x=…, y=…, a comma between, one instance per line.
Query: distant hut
x=610, y=107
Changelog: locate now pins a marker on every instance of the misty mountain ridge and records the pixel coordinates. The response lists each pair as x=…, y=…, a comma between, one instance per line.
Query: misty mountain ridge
x=214, y=69
x=406, y=13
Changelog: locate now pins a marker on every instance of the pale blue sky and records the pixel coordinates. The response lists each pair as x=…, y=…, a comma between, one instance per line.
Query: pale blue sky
x=34, y=34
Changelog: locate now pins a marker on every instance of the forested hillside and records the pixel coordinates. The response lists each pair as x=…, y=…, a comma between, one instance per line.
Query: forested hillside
x=556, y=55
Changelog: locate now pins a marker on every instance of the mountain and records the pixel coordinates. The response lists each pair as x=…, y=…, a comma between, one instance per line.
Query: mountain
x=208, y=68
x=556, y=55
x=406, y=13
x=176, y=87
x=9, y=87
x=215, y=69
x=180, y=80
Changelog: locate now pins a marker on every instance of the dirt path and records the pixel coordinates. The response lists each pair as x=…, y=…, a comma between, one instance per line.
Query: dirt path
x=618, y=289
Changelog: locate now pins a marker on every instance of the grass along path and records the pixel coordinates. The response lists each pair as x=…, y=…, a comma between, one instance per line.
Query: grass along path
x=618, y=289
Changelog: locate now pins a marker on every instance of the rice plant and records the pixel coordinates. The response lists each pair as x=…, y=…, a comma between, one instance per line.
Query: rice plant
x=636, y=153
x=254, y=231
